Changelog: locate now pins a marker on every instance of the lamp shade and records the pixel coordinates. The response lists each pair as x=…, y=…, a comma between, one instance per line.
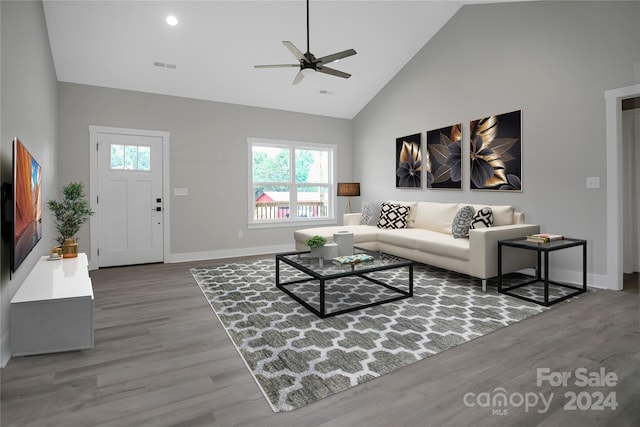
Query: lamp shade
x=349, y=189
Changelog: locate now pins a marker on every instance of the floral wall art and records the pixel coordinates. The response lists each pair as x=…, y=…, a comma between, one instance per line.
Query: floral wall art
x=495, y=152
x=444, y=157
x=408, y=162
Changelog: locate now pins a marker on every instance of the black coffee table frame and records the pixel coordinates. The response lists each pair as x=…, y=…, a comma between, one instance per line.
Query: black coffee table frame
x=332, y=272
x=543, y=248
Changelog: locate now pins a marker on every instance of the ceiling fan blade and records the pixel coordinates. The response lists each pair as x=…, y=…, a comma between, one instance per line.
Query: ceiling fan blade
x=299, y=55
x=298, y=78
x=334, y=57
x=333, y=72
x=277, y=66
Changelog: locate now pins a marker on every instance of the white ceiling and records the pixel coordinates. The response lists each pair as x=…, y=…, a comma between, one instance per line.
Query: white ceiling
x=216, y=44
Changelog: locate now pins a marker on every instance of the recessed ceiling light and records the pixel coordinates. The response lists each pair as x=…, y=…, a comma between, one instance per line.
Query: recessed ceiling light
x=172, y=20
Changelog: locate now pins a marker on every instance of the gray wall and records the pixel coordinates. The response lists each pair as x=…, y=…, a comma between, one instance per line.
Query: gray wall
x=29, y=98
x=552, y=60
x=208, y=156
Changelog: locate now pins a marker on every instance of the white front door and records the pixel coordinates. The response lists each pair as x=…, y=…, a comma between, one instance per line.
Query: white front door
x=130, y=211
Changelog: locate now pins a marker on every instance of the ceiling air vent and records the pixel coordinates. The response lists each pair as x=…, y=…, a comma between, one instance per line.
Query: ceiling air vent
x=163, y=65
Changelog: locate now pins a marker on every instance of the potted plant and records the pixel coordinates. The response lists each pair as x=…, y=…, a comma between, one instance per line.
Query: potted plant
x=70, y=213
x=316, y=243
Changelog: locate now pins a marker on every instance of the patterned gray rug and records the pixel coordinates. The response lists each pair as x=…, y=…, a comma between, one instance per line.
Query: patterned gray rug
x=297, y=358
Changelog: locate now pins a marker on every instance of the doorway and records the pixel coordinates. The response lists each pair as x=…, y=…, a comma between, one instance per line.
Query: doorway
x=631, y=184
x=129, y=193
x=614, y=146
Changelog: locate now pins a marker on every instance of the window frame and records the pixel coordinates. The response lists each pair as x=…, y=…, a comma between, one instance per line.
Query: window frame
x=292, y=145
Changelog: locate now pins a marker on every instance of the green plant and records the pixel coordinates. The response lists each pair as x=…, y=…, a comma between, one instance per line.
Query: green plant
x=316, y=241
x=71, y=212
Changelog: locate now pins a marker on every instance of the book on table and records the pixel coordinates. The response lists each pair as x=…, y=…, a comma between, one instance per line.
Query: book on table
x=544, y=237
x=352, y=259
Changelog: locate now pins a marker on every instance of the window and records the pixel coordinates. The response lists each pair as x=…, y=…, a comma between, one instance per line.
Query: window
x=290, y=182
x=130, y=157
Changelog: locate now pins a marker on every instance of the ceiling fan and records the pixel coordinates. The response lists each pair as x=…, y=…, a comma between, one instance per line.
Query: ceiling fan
x=308, y=63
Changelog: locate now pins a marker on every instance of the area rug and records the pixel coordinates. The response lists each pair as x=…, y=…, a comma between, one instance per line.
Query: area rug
x=297, y=358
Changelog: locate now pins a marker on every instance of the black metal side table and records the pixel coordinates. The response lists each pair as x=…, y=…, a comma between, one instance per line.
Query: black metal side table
x=540, y=248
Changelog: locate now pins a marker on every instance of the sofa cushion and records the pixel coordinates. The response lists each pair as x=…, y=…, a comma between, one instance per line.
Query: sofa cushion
x=411, y=219
x=442, y=244
x=502, y=214
x=370, y=213
x=393, y=215
x=361, y=233
x=462, y=221
x=435, y=216
x=405, y=238
x=482, y=219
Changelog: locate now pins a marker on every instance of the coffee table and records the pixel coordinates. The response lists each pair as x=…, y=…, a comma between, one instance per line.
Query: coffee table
x=328, y=271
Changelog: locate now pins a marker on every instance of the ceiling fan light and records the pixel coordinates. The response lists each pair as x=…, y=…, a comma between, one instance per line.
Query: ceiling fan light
x=308, y=71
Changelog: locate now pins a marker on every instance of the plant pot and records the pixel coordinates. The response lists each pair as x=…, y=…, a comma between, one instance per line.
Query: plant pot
x=317, y=252
x=70, y=248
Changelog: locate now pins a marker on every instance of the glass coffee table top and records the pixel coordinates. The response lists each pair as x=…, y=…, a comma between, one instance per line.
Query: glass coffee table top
x=328, y=269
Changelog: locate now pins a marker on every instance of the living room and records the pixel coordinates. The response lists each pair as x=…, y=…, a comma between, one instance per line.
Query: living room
x=554, y=61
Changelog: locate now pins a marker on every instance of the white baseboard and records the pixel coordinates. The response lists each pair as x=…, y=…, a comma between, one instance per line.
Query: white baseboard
x=575, y=278
x=229, y=253
x=220, y=254
x=5, y=350
x=566, y=276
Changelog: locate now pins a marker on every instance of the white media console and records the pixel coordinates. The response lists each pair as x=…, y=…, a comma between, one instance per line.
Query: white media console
x=53, y=309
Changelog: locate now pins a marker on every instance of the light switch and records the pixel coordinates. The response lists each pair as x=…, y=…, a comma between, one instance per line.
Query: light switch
x=178, y=191
x=593, y=182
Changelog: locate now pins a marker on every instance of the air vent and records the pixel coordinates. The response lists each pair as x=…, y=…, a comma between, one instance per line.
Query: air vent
x=164, y=65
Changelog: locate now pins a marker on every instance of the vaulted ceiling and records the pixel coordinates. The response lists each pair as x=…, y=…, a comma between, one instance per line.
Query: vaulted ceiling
x=210, y=54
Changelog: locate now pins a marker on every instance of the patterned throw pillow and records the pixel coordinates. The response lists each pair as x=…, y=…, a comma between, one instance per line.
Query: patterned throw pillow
x=462, y=221
x=393, y=216
x=482, y=219
x=370, y=213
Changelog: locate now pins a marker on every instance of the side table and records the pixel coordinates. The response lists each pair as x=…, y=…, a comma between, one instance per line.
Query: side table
x=543, y=248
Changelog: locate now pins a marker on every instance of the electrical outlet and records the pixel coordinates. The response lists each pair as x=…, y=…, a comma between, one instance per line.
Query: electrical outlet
x=240, y=234
x=593, y=182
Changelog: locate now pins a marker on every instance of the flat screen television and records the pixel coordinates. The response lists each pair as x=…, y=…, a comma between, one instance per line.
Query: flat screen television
x=27, y=204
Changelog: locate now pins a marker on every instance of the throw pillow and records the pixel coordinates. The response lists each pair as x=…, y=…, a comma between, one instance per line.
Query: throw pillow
x=412, y=211
x=370, y=213
x=502, y=214
x=393, y=216
x=462, y=222
x=482, y=219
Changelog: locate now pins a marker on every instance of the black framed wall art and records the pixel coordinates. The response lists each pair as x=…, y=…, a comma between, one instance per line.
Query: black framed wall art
x=495, y=152
x=409, y=161
x=444, y=151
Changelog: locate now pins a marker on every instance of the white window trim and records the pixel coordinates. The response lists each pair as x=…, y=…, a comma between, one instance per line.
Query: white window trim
x=331, y=219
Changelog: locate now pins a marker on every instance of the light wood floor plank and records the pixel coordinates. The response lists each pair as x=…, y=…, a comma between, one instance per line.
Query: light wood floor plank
x=162, y=358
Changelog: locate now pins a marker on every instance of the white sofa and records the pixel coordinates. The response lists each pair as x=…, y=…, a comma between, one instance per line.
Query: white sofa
x=428, y=239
